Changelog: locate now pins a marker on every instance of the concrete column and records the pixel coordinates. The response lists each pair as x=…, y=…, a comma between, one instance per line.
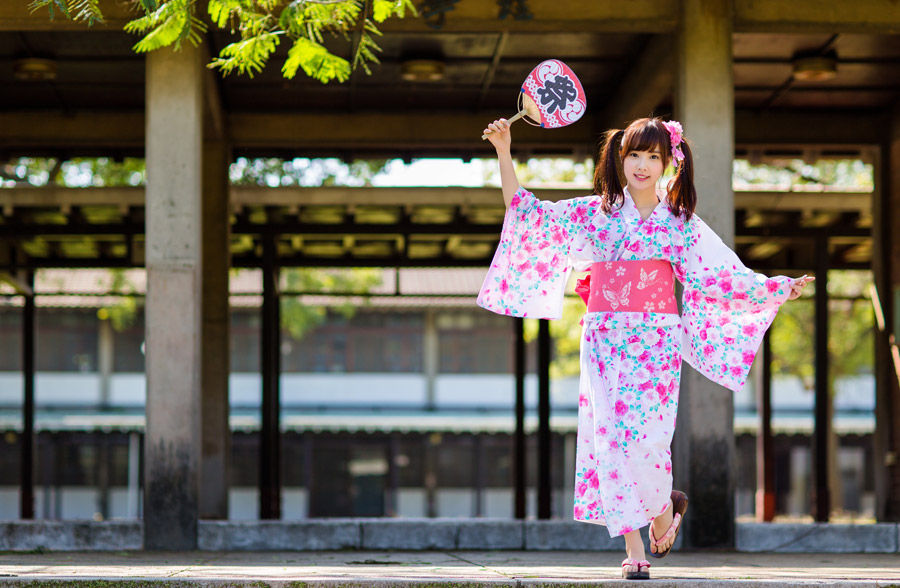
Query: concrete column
x=704, y=103
x=174, y=269
x=215, y=350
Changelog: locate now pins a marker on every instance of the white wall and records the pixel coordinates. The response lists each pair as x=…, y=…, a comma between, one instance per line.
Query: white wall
x=128, y=390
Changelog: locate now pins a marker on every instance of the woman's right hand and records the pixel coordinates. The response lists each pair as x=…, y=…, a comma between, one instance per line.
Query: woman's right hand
x=498, y=134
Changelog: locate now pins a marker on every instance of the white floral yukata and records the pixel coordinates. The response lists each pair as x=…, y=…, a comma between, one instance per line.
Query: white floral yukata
x=631, y=361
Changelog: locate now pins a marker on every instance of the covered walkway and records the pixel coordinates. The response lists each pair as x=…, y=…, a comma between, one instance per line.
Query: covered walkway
x=731, y=72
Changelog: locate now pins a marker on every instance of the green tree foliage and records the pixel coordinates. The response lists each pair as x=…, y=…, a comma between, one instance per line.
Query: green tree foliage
x=546, y=170
x=566, y=335
x=123, y=313
x=260, y=26
x=851, y=324
x=851, y=174
x=79, y=172
x=273, y=172
x=299, y=318
x=85, y=172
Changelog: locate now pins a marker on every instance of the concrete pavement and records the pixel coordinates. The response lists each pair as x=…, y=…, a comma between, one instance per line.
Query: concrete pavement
x=437, y=569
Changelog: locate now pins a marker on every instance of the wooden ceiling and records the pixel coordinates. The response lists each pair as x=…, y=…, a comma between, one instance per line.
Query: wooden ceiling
x=97, y=70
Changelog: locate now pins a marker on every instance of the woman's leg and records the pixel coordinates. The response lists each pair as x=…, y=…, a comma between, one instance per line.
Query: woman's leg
x=635, y=566
x=634, y=545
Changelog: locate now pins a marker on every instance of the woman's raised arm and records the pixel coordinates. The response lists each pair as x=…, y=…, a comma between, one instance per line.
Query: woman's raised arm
x=498, y=135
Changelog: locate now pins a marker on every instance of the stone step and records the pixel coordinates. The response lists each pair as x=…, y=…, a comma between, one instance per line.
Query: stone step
x=435, y=569
x=427, y=534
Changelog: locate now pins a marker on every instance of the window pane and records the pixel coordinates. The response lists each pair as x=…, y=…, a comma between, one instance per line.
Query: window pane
x=66, y=340
x=10, y=339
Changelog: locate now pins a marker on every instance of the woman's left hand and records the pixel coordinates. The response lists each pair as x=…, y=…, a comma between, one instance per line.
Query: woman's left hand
x=797, y=286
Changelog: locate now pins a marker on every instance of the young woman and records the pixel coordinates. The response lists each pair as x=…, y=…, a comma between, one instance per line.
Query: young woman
x=635, y=240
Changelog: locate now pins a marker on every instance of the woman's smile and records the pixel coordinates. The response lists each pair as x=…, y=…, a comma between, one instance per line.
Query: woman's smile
x=643, y=169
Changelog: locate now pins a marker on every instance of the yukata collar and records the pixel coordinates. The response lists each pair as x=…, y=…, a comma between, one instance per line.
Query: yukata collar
x=628, y=202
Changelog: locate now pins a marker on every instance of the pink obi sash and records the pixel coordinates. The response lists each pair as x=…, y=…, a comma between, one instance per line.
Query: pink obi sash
x=645, y=285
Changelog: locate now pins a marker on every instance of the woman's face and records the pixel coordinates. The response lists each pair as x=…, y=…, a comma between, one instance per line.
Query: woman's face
x=642, y=169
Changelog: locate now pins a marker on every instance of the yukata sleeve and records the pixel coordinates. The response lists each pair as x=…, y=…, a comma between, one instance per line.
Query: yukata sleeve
x=726, y=307
x=528, y=274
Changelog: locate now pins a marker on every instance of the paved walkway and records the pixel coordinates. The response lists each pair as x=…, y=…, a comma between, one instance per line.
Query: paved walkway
x=450, y=569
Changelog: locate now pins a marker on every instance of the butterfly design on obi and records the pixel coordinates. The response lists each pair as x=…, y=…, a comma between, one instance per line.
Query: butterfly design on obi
x=617, y=298
x=647, y=279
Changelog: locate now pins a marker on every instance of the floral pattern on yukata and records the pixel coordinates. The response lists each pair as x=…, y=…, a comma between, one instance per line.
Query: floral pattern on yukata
x=631, y=361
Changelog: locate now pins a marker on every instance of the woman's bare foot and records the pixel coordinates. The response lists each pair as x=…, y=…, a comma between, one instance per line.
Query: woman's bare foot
x=659, y=526
x=634, y=548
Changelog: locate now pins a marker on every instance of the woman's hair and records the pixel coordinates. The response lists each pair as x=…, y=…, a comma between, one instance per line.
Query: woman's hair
x=644, y=134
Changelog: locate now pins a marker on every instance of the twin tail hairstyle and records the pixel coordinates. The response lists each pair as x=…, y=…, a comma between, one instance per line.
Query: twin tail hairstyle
x=644, y=134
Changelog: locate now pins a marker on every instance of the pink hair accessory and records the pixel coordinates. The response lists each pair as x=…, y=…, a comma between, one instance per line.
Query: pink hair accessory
x=675, y=138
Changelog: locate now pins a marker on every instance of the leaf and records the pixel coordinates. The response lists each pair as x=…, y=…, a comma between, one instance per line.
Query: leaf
x=86, y=10
x=317, y=62
x=382, y=9
x=221, y=11
x=248, y=55
x=50, y=4
x=292, y=19
x=172, y=23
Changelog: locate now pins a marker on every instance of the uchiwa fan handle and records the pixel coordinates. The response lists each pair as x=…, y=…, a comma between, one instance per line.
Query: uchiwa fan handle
x=527, y=107
x=515, y=117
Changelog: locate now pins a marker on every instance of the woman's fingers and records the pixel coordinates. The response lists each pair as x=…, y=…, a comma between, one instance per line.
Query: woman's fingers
x=498, y=126
x=798, y=284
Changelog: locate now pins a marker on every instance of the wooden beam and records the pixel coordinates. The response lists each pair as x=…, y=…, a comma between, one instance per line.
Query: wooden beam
x=650, y=80
x=17, y=16
x=808, y=127
x=879, y=17
x=395, y=132
x=28, y=132
x=67, y=198
x=549, y=16
x=294, y=197
x=398, y=134
x=634, y=16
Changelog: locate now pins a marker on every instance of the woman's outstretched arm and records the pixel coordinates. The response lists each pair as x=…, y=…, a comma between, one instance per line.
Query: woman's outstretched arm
x=498, y=135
